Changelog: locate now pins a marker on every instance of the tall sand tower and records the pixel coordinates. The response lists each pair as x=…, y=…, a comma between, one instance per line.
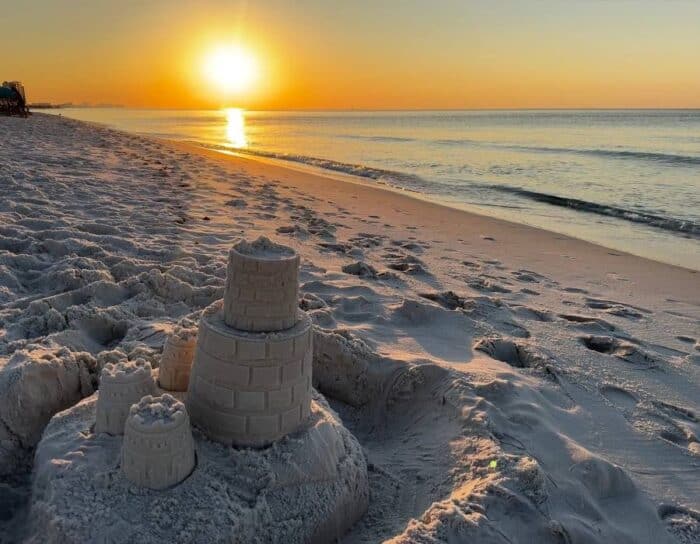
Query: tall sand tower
x=251, y=377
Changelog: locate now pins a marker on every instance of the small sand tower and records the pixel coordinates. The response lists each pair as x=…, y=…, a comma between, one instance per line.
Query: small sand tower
x=176, y=362
x=251, y=377
x=121, y=385
x=158, y=450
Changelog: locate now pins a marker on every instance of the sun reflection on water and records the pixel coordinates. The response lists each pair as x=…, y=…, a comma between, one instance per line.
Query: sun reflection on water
x=235, y=127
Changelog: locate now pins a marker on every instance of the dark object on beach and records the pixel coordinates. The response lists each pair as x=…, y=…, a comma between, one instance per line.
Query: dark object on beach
x=12, y=99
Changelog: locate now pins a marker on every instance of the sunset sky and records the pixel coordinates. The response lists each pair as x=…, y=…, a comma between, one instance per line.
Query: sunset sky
x=363, y=54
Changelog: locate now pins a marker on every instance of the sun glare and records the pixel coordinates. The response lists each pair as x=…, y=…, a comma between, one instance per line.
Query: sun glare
x=232, y=69
x=235, y=127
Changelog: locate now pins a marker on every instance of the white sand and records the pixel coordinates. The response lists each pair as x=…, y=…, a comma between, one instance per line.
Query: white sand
x=301, y=489
x=507, y=384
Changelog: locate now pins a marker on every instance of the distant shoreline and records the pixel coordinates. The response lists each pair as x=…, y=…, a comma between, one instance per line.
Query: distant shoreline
x=362, y=110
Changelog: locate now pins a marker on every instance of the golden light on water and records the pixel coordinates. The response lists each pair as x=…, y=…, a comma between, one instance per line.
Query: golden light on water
x=235, y=127
x=231, y=68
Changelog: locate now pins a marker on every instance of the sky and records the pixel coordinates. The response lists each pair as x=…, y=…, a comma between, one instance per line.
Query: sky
x=361, y=54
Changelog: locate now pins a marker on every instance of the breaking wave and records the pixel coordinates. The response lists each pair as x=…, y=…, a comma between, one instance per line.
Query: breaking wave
x=683, y=226
x=390, y=177
x=665, y=158
x=386, y=139
x=412, y=182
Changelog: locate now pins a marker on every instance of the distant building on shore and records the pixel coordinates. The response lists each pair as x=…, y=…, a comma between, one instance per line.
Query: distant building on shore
x=13, y=100
x=52, y=106
x=48, y=106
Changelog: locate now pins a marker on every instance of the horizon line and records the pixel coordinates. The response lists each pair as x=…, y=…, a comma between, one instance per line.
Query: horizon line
x=346, y=110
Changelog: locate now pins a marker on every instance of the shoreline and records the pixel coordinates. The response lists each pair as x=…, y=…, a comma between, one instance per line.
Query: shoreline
x=657, y=237
x=686, y=281
x=306, y=168
x=449, y=219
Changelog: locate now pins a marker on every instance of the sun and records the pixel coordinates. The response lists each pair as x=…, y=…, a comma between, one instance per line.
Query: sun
x=231, y=68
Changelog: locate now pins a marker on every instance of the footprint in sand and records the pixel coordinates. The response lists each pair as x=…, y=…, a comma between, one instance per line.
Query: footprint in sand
x=313, y=222
x=617, y=308
x=367, y=271
x=575, y=290
x=337, y=247
x=237, y=203
x=619, y=397
x=498, y=315
x=367, y=241
x=683, y=523
x=446, y=299
x=309, y=301
x=675, y=411
x=589, y=324
x=525, y=277
x=414, y=247
x=688, y=340
x=518, y=355
x=682, y=427
x=408, y=264
x=532, y=292
x=489, y=286
x=533, y=314
x=626, y=351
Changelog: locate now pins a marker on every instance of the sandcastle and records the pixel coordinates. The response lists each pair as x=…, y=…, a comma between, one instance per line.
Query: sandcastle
x=251, y=377
x=158, y=450
x=176, y=362
x=250, y=386
x=122, y=384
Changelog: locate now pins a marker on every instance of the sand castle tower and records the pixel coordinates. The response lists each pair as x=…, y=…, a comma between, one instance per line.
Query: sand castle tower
x=251, y=377
x=121, y=385
x=176, y=362
x=158, y=449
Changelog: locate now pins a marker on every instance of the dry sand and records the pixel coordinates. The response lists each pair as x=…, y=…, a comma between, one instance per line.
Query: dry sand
x=507, y=384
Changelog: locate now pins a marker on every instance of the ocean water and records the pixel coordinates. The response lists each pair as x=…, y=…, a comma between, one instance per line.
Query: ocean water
x=625, y=179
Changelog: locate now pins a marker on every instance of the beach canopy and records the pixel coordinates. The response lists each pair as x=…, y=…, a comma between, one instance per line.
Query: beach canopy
x=8, y=93
x=12, y=100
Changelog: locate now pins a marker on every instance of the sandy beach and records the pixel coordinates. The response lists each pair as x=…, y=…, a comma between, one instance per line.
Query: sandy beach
x=507, y=384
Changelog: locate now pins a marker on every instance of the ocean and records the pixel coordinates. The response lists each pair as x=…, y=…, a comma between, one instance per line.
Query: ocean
x=625, y=179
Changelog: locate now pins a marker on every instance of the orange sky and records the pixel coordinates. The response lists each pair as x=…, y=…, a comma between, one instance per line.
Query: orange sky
x=393, y=54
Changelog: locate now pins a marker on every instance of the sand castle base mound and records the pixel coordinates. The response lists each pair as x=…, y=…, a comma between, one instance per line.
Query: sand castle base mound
x=308, y=487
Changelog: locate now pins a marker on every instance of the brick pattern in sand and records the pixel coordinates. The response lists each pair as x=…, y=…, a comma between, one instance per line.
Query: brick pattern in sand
x=176, y=362
x=121, y=385
x=247, y=387
x=262, y=287
x=158, y=449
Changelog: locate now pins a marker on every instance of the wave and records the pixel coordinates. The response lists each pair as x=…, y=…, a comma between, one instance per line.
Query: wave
x=666, y=158
x=684, y=226
x=390, y=177
x=412, y=182
x=465, y=141
x=388, y=139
